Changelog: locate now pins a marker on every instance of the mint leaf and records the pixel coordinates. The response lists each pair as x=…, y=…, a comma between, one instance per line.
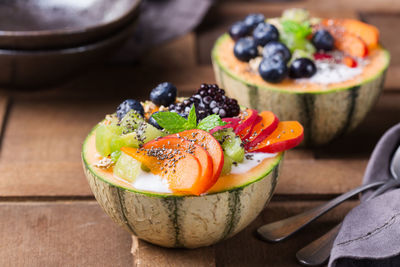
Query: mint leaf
x=300, y=30
x=192, y=119
x=172, y=122
x=210, y=122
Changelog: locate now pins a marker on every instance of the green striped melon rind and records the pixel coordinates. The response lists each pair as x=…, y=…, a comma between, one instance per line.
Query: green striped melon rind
x=325, y=115
x=183, y=221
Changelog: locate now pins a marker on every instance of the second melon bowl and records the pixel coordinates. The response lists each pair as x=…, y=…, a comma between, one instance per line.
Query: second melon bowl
x=325, y=113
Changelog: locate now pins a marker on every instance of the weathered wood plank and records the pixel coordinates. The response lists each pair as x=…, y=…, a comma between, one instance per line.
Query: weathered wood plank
x=147, y=255
x=61, y=234
x=42, y=143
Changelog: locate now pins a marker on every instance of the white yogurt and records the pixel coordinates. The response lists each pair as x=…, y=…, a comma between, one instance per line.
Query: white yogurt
x=250, y=161
x=328, y=72
x=147, y=181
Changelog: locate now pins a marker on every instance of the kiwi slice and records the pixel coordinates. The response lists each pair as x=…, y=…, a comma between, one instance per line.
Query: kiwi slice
x=226, y=168
x=131, y=121
x=231, y=144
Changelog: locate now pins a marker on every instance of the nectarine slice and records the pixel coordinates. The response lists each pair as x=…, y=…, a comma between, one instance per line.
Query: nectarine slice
x=287, y=135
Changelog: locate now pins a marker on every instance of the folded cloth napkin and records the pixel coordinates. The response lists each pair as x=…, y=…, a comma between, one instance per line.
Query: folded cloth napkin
x=160, y=21
x=370, y=233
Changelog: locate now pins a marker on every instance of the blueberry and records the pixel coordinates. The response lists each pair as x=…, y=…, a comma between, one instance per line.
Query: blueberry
x=273, y=70
x=265, y=33
x=323, y=40
x=245, y=49
x=153, y=122
x=302, y=68
x=238, y=30
x=252, y=20
x=276, y=48
x=127, y=105
x=164, y=94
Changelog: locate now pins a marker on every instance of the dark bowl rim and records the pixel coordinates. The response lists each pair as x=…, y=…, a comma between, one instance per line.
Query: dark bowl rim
x=71, y=31
x=75, y=49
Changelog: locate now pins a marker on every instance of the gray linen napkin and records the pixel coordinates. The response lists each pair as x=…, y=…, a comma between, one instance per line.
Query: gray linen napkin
x=160, y=21
x=370, y=234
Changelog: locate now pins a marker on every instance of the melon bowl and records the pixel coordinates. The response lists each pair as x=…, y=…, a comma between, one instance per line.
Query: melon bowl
x=326, y=113
x=182, y=221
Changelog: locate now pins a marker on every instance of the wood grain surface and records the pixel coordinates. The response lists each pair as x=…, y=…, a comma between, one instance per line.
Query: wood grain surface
x=48, y=214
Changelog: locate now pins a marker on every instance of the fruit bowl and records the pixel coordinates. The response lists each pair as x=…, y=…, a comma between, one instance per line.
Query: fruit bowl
x=181, y=221
x=327, y=110
x=181, y=172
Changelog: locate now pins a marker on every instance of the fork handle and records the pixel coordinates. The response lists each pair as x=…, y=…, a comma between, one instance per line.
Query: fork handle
x=280, y=230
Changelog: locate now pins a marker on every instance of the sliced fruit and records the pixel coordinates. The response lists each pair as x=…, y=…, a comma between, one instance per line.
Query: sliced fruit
x=287, y=135
x=322, y=56
x=142, y=134
x=368, y=33
x=269, y=122
x=231, y=144
x=207, y=141
x=351, y=44
x=182, y=170
x=119, y=141
x=234, y=122
x=127, y=168
x=199, y=152
x=233, y=147
x=250, y=118
x=131, y=121
x=115, y=155
x=227, y=165
x=350, y=62
x=346, y=40
x=104, y=135
x=147, y=132
x=231, y=123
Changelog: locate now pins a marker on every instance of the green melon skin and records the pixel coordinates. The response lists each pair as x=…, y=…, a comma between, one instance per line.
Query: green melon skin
x=183, y=221
x=325, y=115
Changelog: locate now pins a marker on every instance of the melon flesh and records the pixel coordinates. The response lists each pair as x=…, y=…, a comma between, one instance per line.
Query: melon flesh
x=183, y=221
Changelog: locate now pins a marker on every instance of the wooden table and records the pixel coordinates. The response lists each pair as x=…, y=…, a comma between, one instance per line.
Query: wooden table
x=48, y=214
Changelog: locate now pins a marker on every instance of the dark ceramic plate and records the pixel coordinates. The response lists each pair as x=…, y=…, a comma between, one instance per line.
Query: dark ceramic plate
x=43, y=24
x=28, y=70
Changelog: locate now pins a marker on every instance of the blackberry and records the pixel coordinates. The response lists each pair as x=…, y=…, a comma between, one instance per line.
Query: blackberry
x=209, y=99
